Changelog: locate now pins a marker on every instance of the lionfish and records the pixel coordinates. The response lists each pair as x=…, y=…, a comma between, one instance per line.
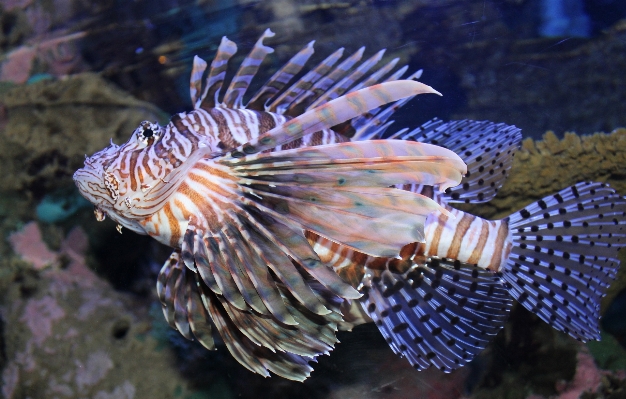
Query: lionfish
x=291, y=218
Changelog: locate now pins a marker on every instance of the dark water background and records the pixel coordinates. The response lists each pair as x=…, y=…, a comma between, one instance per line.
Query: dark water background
x=540, y=65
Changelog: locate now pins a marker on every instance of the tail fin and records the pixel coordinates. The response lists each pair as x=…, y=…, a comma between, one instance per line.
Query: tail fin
x=564, y=256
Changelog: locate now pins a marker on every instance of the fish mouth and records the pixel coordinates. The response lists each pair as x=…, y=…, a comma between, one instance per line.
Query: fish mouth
x=91, y=186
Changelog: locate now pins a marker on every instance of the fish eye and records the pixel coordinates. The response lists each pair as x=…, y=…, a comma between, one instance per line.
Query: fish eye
x=147, y=133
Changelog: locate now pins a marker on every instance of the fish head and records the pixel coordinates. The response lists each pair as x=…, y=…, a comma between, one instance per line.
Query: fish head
x=132, y=181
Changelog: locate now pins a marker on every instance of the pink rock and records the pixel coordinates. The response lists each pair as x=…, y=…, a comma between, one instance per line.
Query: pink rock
x=29, y=245
x=39, y=315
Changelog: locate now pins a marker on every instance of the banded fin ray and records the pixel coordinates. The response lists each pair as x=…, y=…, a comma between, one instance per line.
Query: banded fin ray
x=282, y=101
x=217, y=74
x=280, y=79
x=333, y=113
x=172, y=271
x=374, y=123
x=195, y=86
x=564, y=256
x=440, y=313
x=341, y=87
x=283, y=184
x=233, y=98
x=260, y=344
x=321, y=86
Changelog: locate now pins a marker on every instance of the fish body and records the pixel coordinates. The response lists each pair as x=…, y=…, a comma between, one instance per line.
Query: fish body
x=233, y=188
x=291, y=219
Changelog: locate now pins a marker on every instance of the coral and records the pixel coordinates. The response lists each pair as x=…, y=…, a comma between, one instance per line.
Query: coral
x=17, y=65
x=587, y=378
x=588, y=382
x=28, y=244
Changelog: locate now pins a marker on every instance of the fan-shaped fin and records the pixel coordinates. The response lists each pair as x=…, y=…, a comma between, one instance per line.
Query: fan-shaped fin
x=440, y=313
x=564, y=256
x=486, y=147
x=259, y=343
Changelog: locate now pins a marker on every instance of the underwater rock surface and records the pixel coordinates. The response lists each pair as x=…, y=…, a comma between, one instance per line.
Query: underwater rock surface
x=68, y=334
x=49, y=126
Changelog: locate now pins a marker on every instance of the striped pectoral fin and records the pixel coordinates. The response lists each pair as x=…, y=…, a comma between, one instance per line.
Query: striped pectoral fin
x=263, y=345
x=288, y=238
x=333, y=113
x=565, y=255
x=373, y=221
x=340, y=191
x=182, y=304
x=440, y=313
x=486, y=147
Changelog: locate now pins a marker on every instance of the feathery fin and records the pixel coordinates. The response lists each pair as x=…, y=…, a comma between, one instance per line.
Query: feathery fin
x=564, y=256
x=440, y=313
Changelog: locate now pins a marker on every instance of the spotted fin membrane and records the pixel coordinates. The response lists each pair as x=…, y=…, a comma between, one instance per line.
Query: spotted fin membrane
x=564, y=256
x=486, y=147
x=440, y=313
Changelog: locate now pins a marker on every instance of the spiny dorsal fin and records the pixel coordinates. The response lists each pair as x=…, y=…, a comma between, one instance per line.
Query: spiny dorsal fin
x=341, y=87
x=217, y=74
x=195, y=84
x=322, y=85
x=333, y=113
x=249, y=67
x=282, y=101
x=281, y=78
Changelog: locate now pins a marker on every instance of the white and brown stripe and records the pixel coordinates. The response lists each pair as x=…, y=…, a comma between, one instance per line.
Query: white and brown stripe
x=468, y=238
